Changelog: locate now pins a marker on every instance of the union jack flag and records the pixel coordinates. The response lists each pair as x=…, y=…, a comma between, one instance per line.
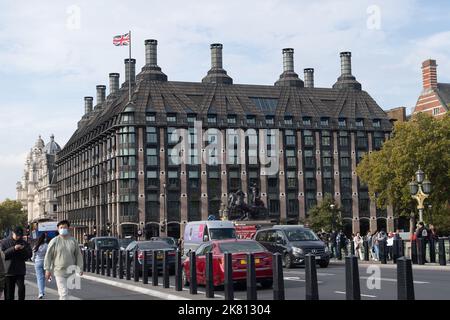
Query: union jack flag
x=122, y=40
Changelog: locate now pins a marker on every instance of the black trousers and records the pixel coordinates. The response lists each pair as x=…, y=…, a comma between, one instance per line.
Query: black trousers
x=10, y=287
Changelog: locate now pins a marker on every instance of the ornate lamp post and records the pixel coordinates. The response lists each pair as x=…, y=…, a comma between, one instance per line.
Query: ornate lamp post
x=420, y=189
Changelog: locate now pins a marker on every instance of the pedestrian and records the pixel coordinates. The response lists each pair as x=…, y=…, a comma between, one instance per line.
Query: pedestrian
x=63, y=257
x=2, y=272
x=423, y=234
x=375, y=247
x=16, y=251
x=333, y=243
x=342, y=243
x=358, y=242
x=390, y=246
x=39, y=251
x=381, y=240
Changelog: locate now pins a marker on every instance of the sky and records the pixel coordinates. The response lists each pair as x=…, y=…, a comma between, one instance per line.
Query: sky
x=53, y=53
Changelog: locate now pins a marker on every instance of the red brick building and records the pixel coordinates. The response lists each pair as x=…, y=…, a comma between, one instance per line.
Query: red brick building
x=435, y=97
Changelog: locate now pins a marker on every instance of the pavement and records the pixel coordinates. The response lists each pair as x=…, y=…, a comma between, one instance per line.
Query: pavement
x=377, y=282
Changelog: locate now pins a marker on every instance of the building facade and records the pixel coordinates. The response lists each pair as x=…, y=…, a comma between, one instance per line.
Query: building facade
x=435, y=96
x=37, y=189
x=121, y=171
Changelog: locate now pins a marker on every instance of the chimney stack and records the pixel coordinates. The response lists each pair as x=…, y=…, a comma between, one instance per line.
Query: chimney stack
x=130, y=70
x=346, y=80
x=151, y=70
x=101, y=93
x=113, y=84
x=217, y=74
x=289, y=78
x=309, y=77
x=88, y=104
x=429, y=74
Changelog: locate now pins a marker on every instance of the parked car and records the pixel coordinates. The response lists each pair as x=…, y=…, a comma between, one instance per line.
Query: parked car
x=239, y=250
x=150, y=246
x=123, y=243
x=170, y=240
x=294, y=242
x=198, y=232
x=105, y=244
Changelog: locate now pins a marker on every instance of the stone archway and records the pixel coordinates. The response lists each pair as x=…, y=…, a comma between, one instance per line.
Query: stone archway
x=364, y=226
x=151, y=229
x=173, y=229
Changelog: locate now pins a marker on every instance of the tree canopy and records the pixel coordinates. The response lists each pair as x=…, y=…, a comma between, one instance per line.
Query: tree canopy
x=325, y=215
x=423, y=141
x=11, y=215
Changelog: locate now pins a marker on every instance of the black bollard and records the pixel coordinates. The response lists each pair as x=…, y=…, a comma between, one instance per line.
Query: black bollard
x=92, y=261
x=449, y=249
x=278, y=278
x=442, y=257
x=414, y=251
x=405, y=283
x=120, y=253
x=108, y=263
x=420, y=251
x=209, y=276
x=395, y=250
x=136, y=267
x=166, y=270
x=155, y=268
x=102, y=262
x=383, y=251
x=193, y=273
x=312, y=290
x=97, y=261
x=114, y=263
x=352, y=248
x=229, y=292
x=339, y=251
x=145, y=268
x=178, y=271
x=352, y=288
x=84, y=260
x=401, y=248
x=251, y=277
x=366, y=250
x=128, y=264
x=432, y=247
x=89, y=261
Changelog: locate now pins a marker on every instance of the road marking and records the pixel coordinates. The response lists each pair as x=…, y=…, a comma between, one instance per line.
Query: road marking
x=298, y=279
x=49, y=290
x=362, y=295
x=393, y=280
x=318, y=273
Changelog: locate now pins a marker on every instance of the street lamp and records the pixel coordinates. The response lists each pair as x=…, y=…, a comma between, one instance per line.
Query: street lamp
x=420, y=189
x=333, y=220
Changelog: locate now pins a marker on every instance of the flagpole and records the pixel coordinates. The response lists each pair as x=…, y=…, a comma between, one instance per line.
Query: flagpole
x=129, y=69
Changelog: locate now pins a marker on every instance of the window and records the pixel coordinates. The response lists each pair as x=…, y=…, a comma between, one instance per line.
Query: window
x=291, y=158
x=326, y=139
x=152, y=178
x=173, y=178
x=359, y=123
x=270, y=120
x=150, y=117
x=310, y=180
x=231, y=119
x=152, y=136
x=309, y=139
x=251, y=120
x=342, y=122
x=172, y=135
x=291, y=179
x=290, y=138
x=265, y=104
x=191, y=118
x=171, y=118
x=212, y=119
x=194, y=181
x=288, y=121
x=152, y=157
x=324, y=121
x=436, y=111
x=376, y=123
x=306, y=121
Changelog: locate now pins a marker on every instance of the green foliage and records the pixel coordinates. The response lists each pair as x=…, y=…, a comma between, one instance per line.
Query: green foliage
x=323, y=216
x=423, y=141
x=11, y=215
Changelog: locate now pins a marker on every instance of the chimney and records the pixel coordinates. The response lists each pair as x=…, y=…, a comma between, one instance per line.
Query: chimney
x=88, y=104
x=113, y=84
x=101, y=93
x=289, y=77
x=217, y=74
x=309, y=77
x=151, y=70
x=429, y=74
x=130, y=70
x=346, y=80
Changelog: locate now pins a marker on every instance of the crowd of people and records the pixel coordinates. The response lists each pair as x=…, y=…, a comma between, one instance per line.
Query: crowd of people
x=57, y=257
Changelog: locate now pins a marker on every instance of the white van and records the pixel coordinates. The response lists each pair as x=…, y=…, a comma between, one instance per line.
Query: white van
x=197, y=232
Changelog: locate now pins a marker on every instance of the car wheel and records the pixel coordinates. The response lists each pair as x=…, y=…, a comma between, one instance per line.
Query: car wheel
x=287, y=261
x=184, y=278
x=266, y=284
x=324, y=264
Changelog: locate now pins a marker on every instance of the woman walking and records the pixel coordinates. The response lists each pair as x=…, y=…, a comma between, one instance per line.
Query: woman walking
x=39, y=251
x=358, y=241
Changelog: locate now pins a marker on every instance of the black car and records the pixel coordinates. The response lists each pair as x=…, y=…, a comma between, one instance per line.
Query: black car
x=170, y=240
x=104, y=243
x=152, y=246
x=123, y=243
x=294, y=242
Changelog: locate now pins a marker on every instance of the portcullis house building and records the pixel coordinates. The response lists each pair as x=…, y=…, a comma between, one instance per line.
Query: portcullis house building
x=116, y=174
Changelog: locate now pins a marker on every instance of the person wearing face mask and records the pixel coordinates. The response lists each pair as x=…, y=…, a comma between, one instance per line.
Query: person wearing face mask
x=16, y=251
x=63, y=255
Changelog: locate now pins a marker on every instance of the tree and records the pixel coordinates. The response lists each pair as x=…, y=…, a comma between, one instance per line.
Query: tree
x=423, y=141
x=325, y=215
x=11, y=215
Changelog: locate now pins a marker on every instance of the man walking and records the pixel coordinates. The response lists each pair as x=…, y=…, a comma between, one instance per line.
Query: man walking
x=62, y=257
x=2, y=273
x=16, y=251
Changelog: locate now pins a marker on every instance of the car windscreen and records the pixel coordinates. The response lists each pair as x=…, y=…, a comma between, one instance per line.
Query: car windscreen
x=170, y=241
x=108, y=243
x=301, y=235
x=222, y=233
x=153, y=245
x=241, y=246
x=125, y=242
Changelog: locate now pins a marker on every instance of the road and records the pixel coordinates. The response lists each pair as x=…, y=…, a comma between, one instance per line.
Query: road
x=428, y=284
